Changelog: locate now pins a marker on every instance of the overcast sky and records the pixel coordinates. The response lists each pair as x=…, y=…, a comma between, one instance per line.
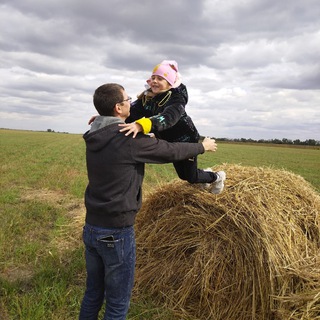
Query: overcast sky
x=252, y=67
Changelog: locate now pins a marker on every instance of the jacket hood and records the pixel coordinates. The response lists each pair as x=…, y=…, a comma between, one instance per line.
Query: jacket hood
x=182, y=89
x=103, y=129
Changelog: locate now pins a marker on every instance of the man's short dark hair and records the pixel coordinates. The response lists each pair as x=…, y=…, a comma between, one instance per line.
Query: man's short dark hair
x=106, y=97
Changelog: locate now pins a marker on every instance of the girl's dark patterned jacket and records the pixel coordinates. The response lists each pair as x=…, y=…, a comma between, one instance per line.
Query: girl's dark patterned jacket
x=167, y=113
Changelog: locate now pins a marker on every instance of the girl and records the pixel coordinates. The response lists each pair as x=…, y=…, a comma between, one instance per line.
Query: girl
x=160, y=110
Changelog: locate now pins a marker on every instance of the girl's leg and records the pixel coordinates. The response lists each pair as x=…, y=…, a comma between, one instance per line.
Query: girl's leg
x=188, y=170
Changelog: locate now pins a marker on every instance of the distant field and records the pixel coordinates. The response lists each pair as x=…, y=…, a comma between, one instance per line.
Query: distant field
x=43, y=177
x=57, y=160
x=303, y=161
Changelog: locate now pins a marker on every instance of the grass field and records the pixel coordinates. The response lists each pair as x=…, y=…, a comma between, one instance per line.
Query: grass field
x=43, y=177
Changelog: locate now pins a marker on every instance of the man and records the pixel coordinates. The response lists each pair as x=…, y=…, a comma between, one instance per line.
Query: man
x=115, y=165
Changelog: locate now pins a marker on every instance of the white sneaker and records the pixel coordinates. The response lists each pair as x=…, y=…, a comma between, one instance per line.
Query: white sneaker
x=207, y=185
x=218, y=185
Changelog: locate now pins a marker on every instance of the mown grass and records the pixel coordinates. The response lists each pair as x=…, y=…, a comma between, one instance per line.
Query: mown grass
x=43, y=177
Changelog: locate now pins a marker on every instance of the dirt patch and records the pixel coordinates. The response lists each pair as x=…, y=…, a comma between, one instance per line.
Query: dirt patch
x=3, y=312
x=14, y=273
x=75, y=207
x=68, y=234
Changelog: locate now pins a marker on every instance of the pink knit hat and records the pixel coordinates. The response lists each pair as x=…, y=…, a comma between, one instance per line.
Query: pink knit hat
x=167, y=69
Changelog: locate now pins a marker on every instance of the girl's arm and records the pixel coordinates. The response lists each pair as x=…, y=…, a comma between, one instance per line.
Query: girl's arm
x=167, y=119
x=171, y=113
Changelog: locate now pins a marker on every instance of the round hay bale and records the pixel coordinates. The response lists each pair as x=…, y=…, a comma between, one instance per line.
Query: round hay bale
x=251, y=252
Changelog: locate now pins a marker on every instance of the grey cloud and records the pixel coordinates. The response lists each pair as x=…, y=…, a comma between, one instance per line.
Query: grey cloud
x=243, y=61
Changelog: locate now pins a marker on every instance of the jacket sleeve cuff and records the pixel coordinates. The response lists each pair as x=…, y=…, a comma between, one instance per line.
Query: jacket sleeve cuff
x=146, y=124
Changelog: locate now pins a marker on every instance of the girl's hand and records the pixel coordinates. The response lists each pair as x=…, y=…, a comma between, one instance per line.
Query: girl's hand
x=133, y=128
x=92, y=119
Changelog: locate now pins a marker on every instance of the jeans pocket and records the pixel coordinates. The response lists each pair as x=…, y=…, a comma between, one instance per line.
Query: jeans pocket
x=111, y=250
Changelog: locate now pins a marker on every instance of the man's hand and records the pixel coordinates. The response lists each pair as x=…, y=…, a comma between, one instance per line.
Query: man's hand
x=133, y=128
x=209, y=144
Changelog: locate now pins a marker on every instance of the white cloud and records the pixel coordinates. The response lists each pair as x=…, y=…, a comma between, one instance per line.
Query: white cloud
x=251, y=66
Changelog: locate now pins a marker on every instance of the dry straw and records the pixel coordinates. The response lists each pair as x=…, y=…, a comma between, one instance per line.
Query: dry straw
x=251, y=252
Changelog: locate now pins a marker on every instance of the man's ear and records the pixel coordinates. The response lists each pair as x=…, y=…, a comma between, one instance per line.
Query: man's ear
x=117, y=109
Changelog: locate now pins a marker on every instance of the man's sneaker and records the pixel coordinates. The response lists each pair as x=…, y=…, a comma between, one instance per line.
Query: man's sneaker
x=217, y=186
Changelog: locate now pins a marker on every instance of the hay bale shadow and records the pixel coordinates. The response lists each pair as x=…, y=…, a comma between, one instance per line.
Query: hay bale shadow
x=251, y=252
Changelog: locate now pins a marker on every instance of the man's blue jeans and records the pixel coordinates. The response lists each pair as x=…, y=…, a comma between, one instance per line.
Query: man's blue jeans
x=110, y=263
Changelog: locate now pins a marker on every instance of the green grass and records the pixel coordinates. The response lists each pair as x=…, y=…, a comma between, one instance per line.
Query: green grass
x=43, y=177
x=302, y=161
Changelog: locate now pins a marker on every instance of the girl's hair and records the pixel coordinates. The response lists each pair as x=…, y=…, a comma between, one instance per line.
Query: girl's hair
x=106, y=97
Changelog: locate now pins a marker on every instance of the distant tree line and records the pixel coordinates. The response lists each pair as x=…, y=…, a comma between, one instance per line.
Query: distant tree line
x=50, y=130
x=308, y=142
